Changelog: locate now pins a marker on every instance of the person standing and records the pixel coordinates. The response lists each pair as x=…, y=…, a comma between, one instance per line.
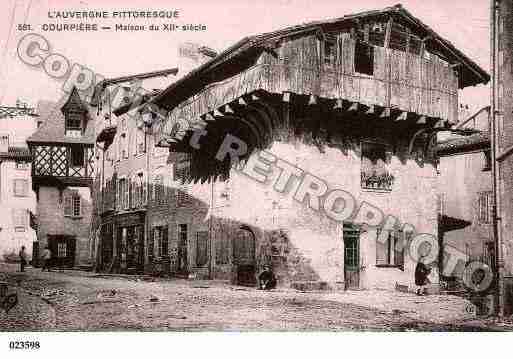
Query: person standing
x=47, y=256
x=23, y=259
x=421, y=275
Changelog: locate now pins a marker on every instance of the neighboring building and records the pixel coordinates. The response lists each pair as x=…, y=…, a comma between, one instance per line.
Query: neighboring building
x=62, y=149
x=353, y=101
x=465, y=191
x=17, y=200
x=130, y=202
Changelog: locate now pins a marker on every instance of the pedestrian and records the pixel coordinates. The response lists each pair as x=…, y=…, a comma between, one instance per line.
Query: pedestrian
x=422, y=272
x=267, y=279
x=47, y=256
x=23, y=259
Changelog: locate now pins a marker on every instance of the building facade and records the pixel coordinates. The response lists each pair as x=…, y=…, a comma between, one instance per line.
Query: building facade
x=465, y=192
x=17, y=200
x=260, y=136
x=62, y=149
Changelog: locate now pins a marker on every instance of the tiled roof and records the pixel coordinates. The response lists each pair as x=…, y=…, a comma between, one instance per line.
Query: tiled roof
x=471, y=73
x=53, y=128
x=461, y=144
x=16, y=153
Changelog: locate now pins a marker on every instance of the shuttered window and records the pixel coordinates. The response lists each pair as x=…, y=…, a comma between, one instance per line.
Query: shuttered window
x=20, y=219
x=72, y=205
x=375, y=161
x=485, y=205
x=20, y=187
x=390, y=252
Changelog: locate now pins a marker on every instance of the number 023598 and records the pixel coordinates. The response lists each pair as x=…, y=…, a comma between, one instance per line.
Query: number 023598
x=24, y=345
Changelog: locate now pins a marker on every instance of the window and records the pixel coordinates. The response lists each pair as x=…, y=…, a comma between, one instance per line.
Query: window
x=123, y=146
x=140, y=145
x=364, y=58
x=77, y=156
x=375, y=161
x=159, y=189
x=61, y=250
x=402, y=39
x=488, y=160
x=201, y=248
x=182, y=168
x=329, y=51
x=182, y=235
x=20, y=218
x=20, y=165
x=4, y=142
x=123, y=195
x=74, y=120
x=390, y=248
x=20, y=187
x=485, y=204
x=72, y=205
x=377, y=33
x=160, y=240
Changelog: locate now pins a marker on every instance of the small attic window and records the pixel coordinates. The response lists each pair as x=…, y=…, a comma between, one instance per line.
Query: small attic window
x=364, y=58
x=74, y=123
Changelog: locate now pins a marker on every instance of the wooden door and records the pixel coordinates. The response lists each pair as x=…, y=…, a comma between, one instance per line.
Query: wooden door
x=244, y=257
x=183, y=253
x=351, y=257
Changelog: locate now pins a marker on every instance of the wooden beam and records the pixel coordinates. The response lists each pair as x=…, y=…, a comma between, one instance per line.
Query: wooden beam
x=286, y=97
x=422, y=120
x=209, y=117
x=218, y=113
x=388, y=32
x=385, y=113
x=403, y=116
x=228, y=109
x=338, y=104
x=370, y=110
x=312, y=100
x=242, y=102
x=287, y=128
x=255, y=97
x=353, y=107
x=440, y=124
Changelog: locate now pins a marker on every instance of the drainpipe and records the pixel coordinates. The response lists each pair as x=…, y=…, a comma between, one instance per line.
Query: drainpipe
x=499, y=262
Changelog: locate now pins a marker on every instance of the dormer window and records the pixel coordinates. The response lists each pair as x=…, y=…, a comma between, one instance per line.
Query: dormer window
x=74, y=124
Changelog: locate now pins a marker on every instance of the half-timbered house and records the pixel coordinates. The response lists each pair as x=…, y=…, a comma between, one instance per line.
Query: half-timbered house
x=62, y=149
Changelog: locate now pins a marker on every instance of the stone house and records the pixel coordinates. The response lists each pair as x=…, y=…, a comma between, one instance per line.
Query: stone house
x=62, y=150
x=465, y=192
x=309, y=149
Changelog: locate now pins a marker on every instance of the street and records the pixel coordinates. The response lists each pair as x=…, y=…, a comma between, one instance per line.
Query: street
x=74, y=300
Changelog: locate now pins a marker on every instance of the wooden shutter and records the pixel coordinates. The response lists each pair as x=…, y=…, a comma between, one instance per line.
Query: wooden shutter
x=382, y=250
x=399, y=245
x=68, y=205
x=151, y=244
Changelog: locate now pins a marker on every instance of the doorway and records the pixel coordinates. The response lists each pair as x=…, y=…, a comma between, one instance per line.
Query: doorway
x=351, y=236
x=244, y=256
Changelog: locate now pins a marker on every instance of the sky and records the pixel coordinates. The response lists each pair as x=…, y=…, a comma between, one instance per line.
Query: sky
x=465, y=23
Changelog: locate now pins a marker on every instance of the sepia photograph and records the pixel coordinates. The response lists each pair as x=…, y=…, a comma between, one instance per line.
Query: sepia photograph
x=254, y=167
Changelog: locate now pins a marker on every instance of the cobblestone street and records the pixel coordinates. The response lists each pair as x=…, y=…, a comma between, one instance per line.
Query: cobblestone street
x=73, y=300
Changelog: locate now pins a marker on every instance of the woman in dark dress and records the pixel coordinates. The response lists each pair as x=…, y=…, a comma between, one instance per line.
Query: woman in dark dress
x=421, y=276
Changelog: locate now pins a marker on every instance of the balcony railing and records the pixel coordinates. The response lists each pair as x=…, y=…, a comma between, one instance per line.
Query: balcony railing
x=383, y=182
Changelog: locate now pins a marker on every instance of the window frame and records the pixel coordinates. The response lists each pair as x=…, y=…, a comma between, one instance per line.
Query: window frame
x=25, y=185
x=392, y=260
x=387, y=162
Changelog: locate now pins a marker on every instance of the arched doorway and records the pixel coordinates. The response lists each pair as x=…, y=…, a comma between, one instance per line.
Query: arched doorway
x=244, y=245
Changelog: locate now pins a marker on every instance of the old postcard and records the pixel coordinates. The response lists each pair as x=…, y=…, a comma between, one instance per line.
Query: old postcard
x=244, y=166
